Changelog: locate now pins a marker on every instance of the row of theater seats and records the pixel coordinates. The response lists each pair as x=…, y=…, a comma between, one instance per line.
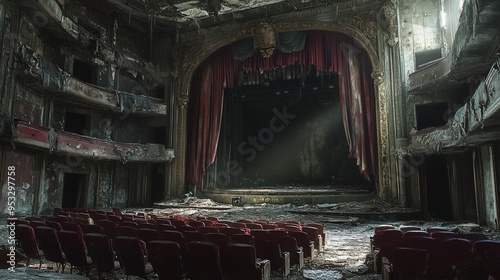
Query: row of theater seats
x=436, y=253
x=240, y=250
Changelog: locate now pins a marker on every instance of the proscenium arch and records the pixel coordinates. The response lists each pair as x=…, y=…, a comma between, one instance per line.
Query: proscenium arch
x=194, y=60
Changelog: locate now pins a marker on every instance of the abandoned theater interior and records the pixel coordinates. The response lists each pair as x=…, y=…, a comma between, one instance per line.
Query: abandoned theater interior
x=111, y=110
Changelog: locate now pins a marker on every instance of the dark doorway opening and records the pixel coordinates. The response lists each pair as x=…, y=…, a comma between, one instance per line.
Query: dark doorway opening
x=76, y=123
x=438, y=187
x=85, y=72
x=157, y=182
x=74, y=190
x=431, y=115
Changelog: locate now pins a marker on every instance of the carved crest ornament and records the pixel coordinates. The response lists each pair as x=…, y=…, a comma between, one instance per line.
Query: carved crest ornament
x=265, y=39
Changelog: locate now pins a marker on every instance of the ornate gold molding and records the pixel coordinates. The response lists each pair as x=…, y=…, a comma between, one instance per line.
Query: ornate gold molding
x=265, y=39
x=383, y=134
x=364, y=32
x=391, y=16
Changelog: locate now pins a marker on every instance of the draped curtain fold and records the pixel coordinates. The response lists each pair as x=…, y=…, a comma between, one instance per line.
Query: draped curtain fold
x=328, y=51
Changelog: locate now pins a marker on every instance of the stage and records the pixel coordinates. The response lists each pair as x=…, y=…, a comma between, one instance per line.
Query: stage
x=311, y=195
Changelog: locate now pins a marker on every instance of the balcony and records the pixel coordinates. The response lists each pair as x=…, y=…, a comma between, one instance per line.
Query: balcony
x=474, y=123
x=42, y=75
x=65, y=143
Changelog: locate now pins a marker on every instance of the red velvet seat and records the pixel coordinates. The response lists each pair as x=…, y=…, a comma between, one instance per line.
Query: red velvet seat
x=128, y=231
x=91, y=229
x=443, y=235
x=53, y=224
x=243, y=238
x=487, y=252
x=289, y=244
x=161, y=227
x=219, y=239
x=274, y=234
x=314, y=236
x=260, y=234
x=239, y=262
x=304, y=242
x=253, y=226
x=413, y=233
x=207, y=229
x=25, y=234
x=147, y=235
x=166, y=258
x=407, y=264
x=232, y=230
x=321, y=231
x=72, y=226
x=194, y=236
x=149, y=226
x=204, y=261
x=101, y=251
x=110, y=228
x=405, y=228
x=75, y=250
x=131, y=252
x=50, y=245
x=271, y=250
x=384, y=242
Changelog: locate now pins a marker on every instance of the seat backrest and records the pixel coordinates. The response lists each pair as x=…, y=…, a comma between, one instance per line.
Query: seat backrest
x=91, y=229
x=101, y=251
x=412, y=233
x=239, y=262
x=253, y=226
x=274, y=234
x=318, y=226
x=207, y=229
x=405, y=228
x=388, y=236
x=219, y=239
x=147, y=234
x=194, y=236
x=147, y=225
x=53, y=224
x=443, y=235
x=243, y=239
x=410, y=262
x=49, y=242
x=131, y=253
x=128, y=231
x=73, y=247
x=270, y=250
x=165, y=256
x=72, y=226
x=26, y=236
x=204, y=261
x=312, y=232
x=110, y=228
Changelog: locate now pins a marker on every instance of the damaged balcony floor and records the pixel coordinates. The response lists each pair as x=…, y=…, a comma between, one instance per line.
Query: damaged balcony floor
x=346, y=255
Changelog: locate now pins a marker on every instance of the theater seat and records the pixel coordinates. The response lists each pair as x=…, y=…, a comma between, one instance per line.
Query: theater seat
x=239, y=262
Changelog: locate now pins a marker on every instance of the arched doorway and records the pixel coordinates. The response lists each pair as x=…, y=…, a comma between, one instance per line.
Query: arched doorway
x=232, y=160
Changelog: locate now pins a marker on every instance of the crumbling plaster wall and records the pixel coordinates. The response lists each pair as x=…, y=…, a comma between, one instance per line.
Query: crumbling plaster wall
x=41, y=185
x=420, y=31
x=489, y=185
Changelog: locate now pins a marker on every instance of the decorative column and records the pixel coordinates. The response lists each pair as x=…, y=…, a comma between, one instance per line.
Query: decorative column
x=384, y=190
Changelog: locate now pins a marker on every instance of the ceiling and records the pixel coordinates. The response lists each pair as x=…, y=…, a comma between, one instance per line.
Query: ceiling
x=171, y=15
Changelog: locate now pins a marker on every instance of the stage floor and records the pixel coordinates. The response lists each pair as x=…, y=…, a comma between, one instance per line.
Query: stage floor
x=298, y=195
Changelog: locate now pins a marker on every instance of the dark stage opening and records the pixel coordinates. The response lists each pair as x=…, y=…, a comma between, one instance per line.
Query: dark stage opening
x=284, y=133
x=74, y=190
x=438, y=188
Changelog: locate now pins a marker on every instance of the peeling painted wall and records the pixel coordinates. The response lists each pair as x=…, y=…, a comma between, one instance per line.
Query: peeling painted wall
x=24, y=179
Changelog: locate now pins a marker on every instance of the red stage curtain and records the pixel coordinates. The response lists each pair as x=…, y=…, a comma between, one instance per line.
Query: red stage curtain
x=329, y=52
